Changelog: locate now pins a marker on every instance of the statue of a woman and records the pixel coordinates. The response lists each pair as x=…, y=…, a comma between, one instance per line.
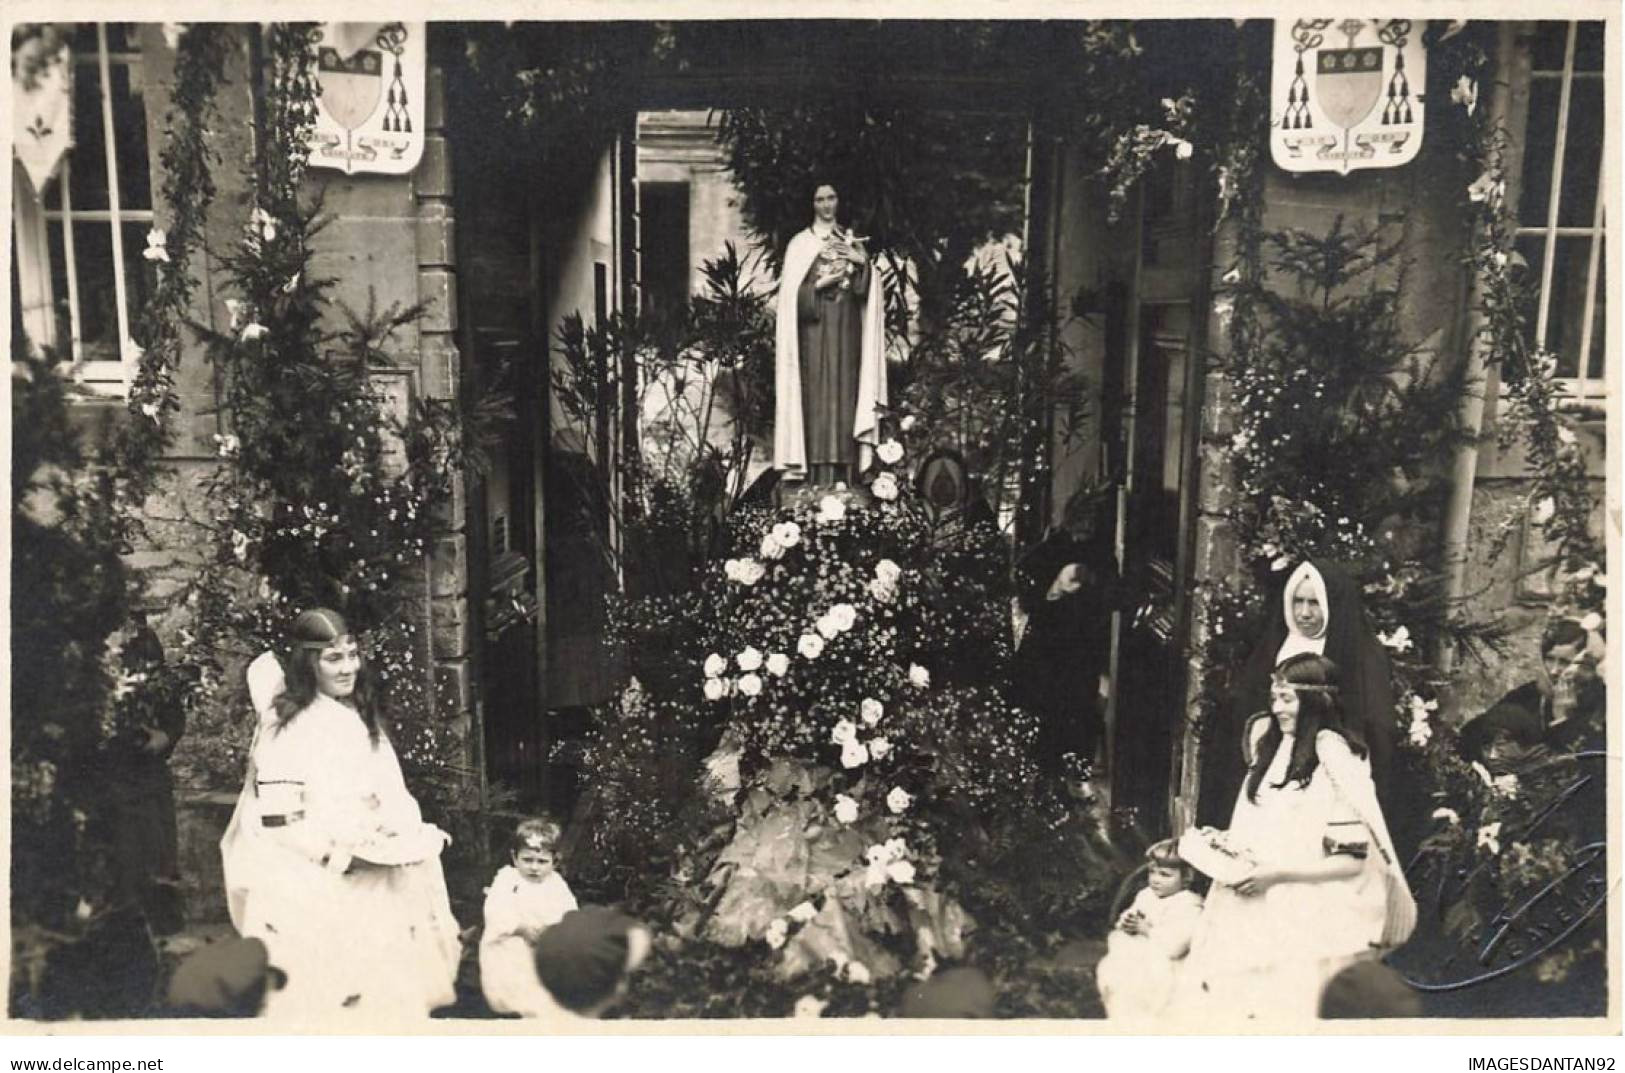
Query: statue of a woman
x=831, y=371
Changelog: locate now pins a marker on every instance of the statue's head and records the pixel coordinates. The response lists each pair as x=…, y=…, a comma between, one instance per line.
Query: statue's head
x=825, y=200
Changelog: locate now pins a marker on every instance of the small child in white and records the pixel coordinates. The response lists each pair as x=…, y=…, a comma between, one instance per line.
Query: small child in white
x=1137, y=974
x=526, y=898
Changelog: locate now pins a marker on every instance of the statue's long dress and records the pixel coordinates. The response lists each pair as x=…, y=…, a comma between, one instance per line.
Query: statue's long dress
x=830, y=339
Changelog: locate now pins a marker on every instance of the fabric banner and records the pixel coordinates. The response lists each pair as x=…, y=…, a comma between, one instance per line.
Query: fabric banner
x=42, y=117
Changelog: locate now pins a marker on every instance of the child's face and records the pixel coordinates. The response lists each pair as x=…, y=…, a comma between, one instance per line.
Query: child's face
x=533, y=863
x=1165, y=879
x=1284, y=706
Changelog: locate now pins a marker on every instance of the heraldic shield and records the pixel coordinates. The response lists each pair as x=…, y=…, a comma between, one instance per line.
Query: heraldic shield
x=351, y=88
x=1350, y=107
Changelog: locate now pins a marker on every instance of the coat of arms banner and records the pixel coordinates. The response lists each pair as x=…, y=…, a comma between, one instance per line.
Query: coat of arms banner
x=369, y=111
x=1346, y=94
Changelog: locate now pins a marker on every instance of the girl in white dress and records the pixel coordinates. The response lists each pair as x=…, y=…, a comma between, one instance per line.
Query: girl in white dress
x=1136, y=976
x=327, y=858
x=524, y=899
x=1325, y=888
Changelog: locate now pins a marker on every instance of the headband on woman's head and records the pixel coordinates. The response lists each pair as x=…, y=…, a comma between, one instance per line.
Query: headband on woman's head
x=1281, y=681
x=323, y=618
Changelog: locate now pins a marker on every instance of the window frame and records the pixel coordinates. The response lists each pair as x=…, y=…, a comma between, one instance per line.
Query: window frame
x=1581, y=390
x=32, y=224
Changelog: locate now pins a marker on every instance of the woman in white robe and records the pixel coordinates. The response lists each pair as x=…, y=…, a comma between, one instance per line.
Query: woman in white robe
x=327, y=858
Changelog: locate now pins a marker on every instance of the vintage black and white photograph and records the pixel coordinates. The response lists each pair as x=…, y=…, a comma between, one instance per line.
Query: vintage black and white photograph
x=1097, y=524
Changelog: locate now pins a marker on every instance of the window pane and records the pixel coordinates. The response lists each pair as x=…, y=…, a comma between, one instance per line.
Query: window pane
x=1546, y=51
x=140, y=274
x=123, y=37
x=98, y=309
x=1588, y=47
x=1582, y=155
x=1565, y=312
x=1599, y=317
x=89, y=181
x=130, y=134
x=1539, y=145
x=59, y=290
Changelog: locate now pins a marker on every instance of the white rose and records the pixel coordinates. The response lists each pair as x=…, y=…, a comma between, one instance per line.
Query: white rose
x=845, y=616
x=803, y=912
x=857, y=972
x=827, y=626
x=831, y=509
x=254, y=331
x=899, y=800
x=846, y=809
x=778, y=664
x=853, y=754
x=777, y=932
x=884, y=487
x=900, y=872
x=714, y=665
x=908, y=423
x=787, y=534
x=883, y=592
x=750, y=571
x=731, y=569
x=895, y=849
x=811, y=645
x=748, y=660
x=890, y=452
x=879, y=747
x=871, y=710
x=918, y=676
x=888, y=571
x=750, y=685
x=809, y=1007
x=714, y=689
x=771, y=548
x=1544, y=510
x=844, y=731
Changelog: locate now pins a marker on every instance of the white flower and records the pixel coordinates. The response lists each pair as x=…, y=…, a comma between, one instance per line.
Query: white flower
x=885, y=487
x=715, y=689
x=831, y=509
x=1448, y=815
x=1489, y=837
x=254, y=331
x=1505, y=785
x=846, y=809
x=1592, y=622
x=1223, y=308
x=715, y=665
x=1399, y=640
x=777, y=931
x=155, y=250
x=888, y=571
x=1544, y=510
x=918, y=676
x=262, y=221
x=787, y=533
x=844, y=731
x=810, y=646
x=1465, y=93
x=803, y=912
x=882, y=591
x=151, y=409
x=778, y=664
x=900, y=872
x=899, y=800
x=1231, y=277
x=234, y=306
x=895, y=849
x=771, y=548
x=844, y=616
x=1280, y=563
x=808, y=1007
x=879, y=747
x=857, y=972
x=890, y=452
x=172, y=32
x=871, y=710
x=908, y=423
x=750, y=685
x=227, y=445
x=826, y=626
x=1565, y=436
x=1182, y=148
x=82, y=910
x=1421, y=732
x=749, y=659
x=854, y=754
x=1487, y=188
x=239, y=544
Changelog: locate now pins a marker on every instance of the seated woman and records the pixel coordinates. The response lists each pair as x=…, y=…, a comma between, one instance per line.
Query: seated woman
x=1318, y=885
x=327, y=858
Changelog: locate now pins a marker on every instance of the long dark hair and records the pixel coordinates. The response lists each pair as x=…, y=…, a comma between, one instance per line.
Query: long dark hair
x=1315, y=679
x=313, y=631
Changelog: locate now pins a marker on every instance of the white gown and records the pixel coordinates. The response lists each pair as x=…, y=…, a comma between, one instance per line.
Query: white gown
x=321, y=807
x=1136, y=977
x=1266, y=957
x=507, y=958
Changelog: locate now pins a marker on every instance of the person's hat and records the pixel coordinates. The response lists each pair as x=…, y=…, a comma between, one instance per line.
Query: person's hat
x=582, y=958
x=224, y=979
x=956, y=994
x=1369, y=989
